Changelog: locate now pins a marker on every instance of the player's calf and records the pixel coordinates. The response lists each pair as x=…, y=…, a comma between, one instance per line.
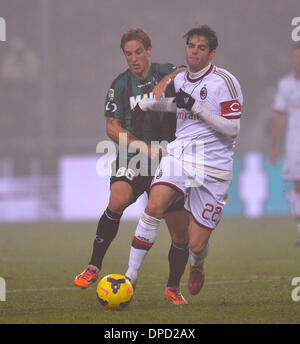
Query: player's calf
x=197, y=276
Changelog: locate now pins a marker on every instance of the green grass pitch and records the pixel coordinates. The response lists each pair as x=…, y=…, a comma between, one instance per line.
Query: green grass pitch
x=249, y=271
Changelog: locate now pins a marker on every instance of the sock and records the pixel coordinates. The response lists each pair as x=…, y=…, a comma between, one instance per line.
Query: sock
x=178, y=257
x=143, y=240
x=106, y=231
x=93, y=268
x=197, y=259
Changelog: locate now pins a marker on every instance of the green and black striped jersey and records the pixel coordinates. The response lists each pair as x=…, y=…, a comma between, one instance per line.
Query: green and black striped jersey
x=127, y=90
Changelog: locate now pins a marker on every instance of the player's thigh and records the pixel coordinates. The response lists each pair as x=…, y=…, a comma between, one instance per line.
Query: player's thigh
x=160, y=198
x=178, y=223
x=206, y=203
x=198, y=236
x=121, y=196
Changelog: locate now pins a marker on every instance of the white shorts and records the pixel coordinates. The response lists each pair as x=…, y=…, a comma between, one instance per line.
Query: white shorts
x=205, y=196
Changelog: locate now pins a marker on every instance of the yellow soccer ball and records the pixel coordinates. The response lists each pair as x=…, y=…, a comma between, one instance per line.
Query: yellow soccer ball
x=114, y=291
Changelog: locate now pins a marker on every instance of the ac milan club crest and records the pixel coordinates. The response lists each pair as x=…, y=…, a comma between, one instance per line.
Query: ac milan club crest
x=203, y=93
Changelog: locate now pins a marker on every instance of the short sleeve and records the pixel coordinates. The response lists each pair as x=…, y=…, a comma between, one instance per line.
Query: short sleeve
x=113, y=102
x=281, y=103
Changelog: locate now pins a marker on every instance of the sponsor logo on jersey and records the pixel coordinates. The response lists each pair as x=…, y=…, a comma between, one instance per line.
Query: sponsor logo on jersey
x=143, y=85
x=187, y=115
x=134, y=100
x=203, y=93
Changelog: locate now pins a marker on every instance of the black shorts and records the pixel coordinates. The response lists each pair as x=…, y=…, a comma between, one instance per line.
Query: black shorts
x=139, y=185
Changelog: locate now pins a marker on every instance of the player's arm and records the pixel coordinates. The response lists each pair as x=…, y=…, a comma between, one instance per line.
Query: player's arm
x=162, y=105
x=123, y=137
x=161, y=87
x=223, y=125
x=228, y=127
x=114, y=113
x=277, y=129
x=114, y=129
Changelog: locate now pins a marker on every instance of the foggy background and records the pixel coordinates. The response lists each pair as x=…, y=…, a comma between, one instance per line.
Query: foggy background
x=60, y=57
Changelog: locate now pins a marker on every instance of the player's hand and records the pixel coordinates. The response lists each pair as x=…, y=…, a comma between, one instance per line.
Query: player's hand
x=152, y=151
x=161, y=87
x=184, y=100
x=156, y=151
x=273, y=155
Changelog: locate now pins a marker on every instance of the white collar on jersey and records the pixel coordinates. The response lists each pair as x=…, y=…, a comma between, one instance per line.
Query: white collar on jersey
x=198, y=75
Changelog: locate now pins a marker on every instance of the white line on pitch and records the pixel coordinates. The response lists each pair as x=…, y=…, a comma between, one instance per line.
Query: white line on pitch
x=271, y=279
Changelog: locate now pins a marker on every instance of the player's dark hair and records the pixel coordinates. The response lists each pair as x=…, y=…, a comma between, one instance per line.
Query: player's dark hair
x=136, y=35
x=206, y=32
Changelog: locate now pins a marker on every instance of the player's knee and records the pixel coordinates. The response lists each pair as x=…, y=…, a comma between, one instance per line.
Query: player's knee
x=118, y=204
x=154, y=209
x=197, y=246
x=179, y=236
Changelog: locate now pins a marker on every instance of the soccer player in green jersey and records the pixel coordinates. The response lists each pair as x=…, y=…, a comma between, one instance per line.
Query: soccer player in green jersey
x=127, y=184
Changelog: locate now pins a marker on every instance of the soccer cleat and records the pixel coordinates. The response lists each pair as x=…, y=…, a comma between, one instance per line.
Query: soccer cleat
x=86, y=278
x=196, y=279
x=132, y=283
x=173, y=295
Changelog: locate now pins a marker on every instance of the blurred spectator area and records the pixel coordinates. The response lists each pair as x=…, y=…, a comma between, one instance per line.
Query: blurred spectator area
x=60, y=58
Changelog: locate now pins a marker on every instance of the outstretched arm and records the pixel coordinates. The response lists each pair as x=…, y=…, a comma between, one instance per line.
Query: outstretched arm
x=161, y=87
x=162, y=105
